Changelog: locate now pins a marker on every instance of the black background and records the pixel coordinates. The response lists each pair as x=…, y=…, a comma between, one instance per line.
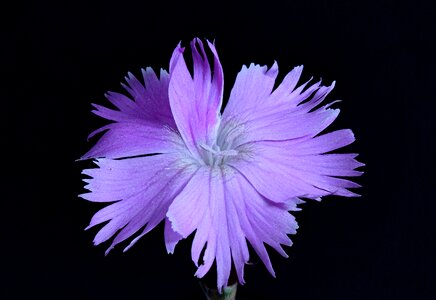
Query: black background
x=62, y=56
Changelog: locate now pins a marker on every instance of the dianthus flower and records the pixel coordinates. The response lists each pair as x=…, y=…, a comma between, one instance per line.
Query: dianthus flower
x=170, y=155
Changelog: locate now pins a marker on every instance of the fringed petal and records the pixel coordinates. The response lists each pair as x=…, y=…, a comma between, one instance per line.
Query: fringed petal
x=196, y=101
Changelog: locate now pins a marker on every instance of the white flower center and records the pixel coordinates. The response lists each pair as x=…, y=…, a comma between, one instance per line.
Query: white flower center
x=225, y=146
x=215, y=156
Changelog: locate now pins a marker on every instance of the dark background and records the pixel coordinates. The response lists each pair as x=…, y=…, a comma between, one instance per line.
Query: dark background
x=61, y=56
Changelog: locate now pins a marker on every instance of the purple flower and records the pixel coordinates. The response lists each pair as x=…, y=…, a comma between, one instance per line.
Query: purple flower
x=232, y=177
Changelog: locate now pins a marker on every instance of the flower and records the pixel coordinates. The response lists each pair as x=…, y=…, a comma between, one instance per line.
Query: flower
x=232, y=177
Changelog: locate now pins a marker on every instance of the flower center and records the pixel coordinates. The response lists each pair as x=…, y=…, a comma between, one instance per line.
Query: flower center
x=215, y=156
x=224, y=148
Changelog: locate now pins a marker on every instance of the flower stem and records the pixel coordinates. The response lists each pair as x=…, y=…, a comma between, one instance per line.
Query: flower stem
x=228, y=292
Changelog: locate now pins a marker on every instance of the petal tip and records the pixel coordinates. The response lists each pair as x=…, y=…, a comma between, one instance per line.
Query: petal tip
x=108, y=250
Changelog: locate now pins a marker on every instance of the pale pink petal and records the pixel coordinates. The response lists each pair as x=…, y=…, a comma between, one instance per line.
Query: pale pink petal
x=144, y=188
x=259, y=219
x=114, y=180
x=194, y=208
x=224, y=209
x=252, y=87
x=280, y=170
x=196, y=101
x=171, y=237
x=144, y=125
x=132, y=139
x=262, y=114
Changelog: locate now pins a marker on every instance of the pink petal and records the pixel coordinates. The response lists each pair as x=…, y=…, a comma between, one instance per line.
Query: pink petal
x=252, y=87
x=189, y=207
x=263, y=114
x=114, y=180
x=225, y=209
x=171, y=237
x=260, y=221
x=280, y=170
x=132, y=139
x=194, y=208
x=143, y=125
x=196, y=102
x=145, y=188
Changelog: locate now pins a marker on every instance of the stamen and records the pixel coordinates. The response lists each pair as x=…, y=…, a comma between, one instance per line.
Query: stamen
x=218, y=151
x=207, y=148
x=230, y=152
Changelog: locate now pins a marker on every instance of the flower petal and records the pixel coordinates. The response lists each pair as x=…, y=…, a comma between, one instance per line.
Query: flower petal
x=263, y=114
x=145, y=188
x=196, y=102
x=201, y=205
x=152, y=97
x=171, y=237
x=261, y=221
x=225, y=210
x=115, y=180
x=280, y=170
x=132, y=139
x=142, y=124
x=252, y=86
x=192, y=209
x=150, y=100
x=189, y=207
x=284, y=125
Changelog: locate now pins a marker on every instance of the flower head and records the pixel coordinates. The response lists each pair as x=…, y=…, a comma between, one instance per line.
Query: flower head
x=232, y=177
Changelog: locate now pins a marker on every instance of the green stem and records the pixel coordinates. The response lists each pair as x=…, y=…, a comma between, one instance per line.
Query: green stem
x=228, y=292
